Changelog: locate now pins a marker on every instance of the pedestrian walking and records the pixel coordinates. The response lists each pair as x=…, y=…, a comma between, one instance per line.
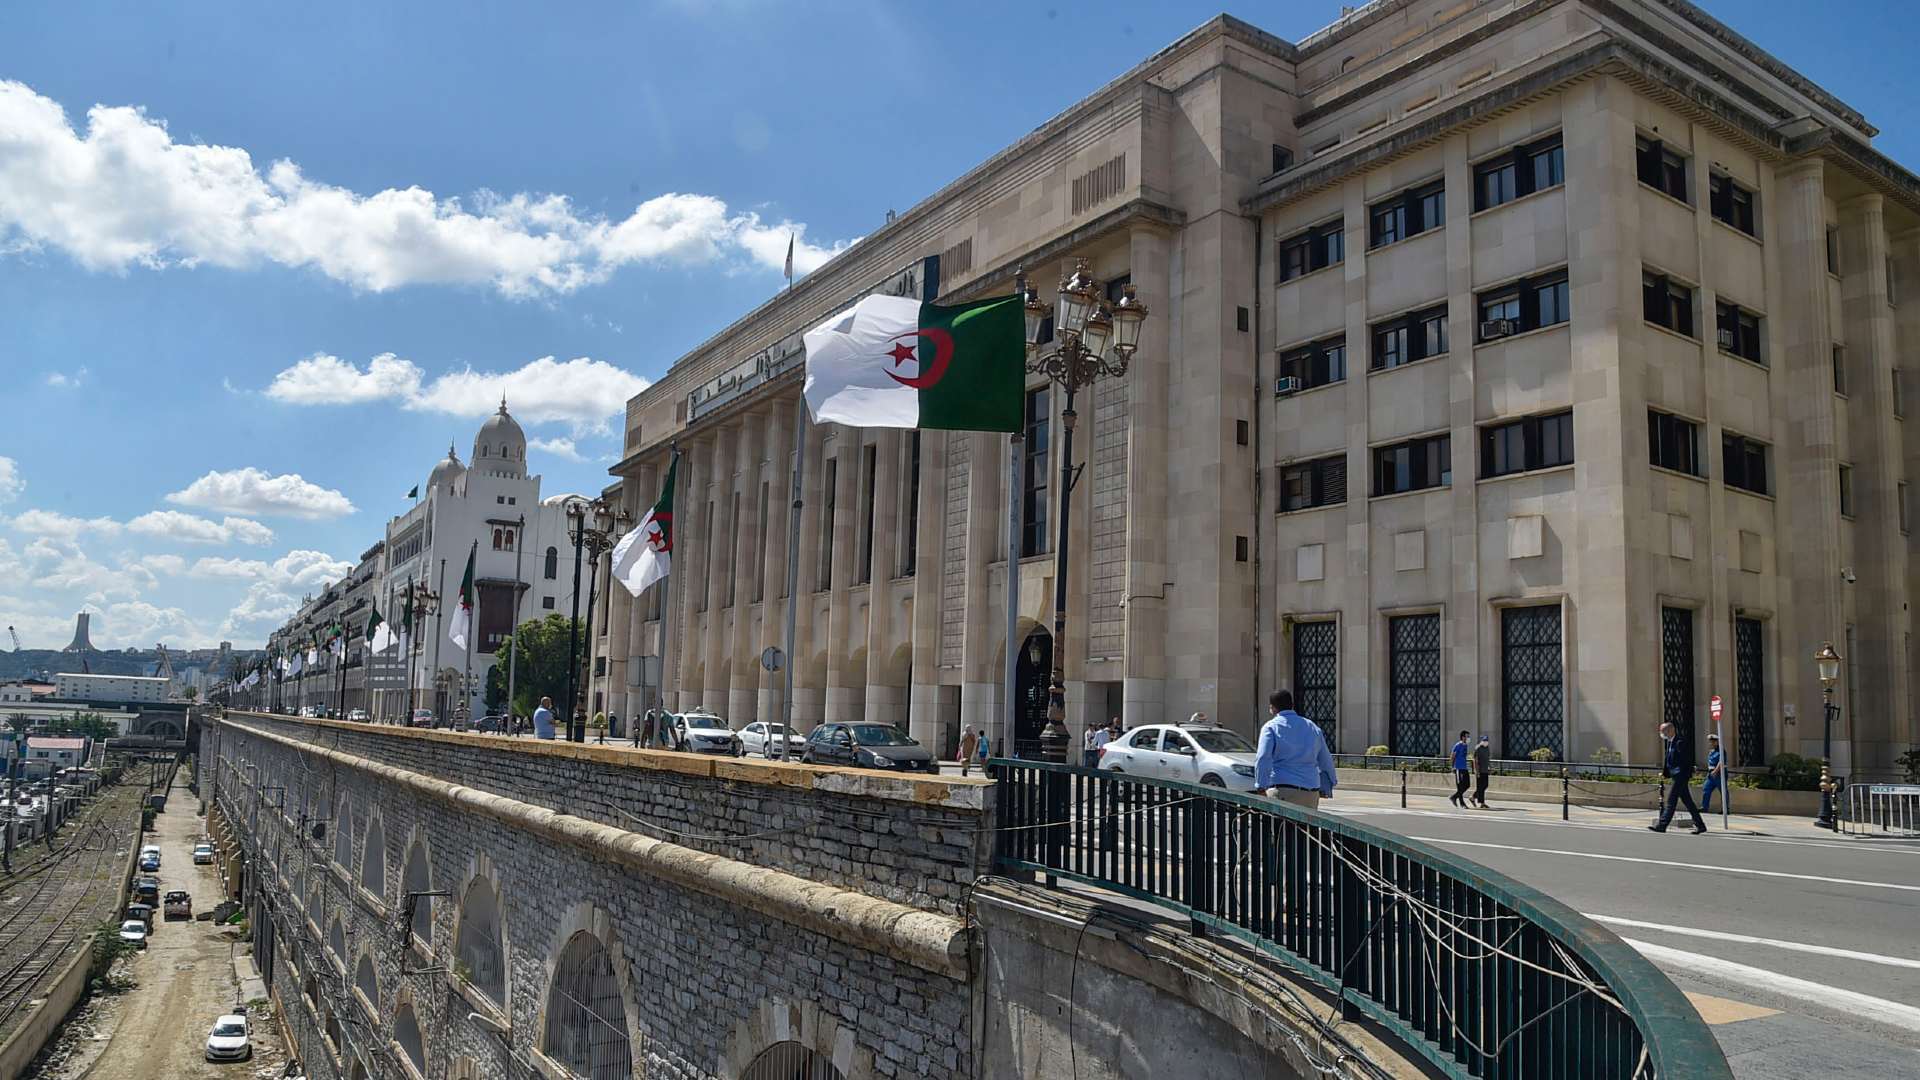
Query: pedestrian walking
x=1089, y=753
x=543, y=719
x=1482, y=766
x=1294, y=765
x=1461, y=777
x=969, y=744
x=1677, y=766
x=1102, y=735
x=1716, y=775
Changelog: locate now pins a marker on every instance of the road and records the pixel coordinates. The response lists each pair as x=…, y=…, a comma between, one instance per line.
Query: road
x=1800, y=948
x=185, y=977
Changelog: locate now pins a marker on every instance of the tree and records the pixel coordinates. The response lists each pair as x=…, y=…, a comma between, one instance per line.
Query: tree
x=93, y=726
x=542, y=670
x=192, y=693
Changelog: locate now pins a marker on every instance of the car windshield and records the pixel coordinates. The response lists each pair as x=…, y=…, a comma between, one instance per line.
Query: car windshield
x=880, y=735
x=1221, y=742
x=709, y=722
x=229, y=1028
x=133, y=925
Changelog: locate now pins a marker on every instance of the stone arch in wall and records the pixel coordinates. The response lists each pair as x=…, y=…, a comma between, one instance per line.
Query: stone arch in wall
x=366, y=980
x=408, y=1036
x=479, y=937
x=373, y=856
x=799, y=1037
x=316, y=904
x=416, y=876
x=337, y=944
x=586, y=1019
x=343, y=835
x=898, y=670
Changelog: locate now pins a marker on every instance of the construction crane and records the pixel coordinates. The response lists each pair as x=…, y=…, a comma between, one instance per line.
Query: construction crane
x=165, y=671
x=16, y=638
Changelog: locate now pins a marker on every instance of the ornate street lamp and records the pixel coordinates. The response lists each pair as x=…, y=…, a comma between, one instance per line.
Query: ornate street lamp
x=1827, y=663
x=596, y=526
x=1092, y=340
x=425, y=602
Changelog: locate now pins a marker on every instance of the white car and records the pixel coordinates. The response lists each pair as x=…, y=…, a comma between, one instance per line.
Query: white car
x=1212, y=756
x=763, y=738
x=357, y=715
x=228, y=1039
x=150, y=849
x=705, y=733
x=203, y=853
x=134, y=932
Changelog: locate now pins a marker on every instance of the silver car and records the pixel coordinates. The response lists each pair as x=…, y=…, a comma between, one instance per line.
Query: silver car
x=705, y=733
x=764, y=739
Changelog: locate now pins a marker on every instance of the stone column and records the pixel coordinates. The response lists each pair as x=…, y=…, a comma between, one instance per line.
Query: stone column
x=1905, y=248
x=845, y=681
x=886, y=693
x=1144, y=692
x=689, y=564
x=986, y=523
x=717, y=570
x=924, y=703
x=810, y=669
x=772, y=583
x=743, y=688
x=616, y=643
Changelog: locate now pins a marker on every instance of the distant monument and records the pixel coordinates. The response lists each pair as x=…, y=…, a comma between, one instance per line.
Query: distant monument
x=81, y=642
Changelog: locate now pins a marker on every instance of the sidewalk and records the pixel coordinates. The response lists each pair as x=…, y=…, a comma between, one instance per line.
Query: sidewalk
x=1347, y=799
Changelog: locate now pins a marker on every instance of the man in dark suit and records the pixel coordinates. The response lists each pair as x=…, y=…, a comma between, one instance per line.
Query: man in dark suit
x=1678, y=769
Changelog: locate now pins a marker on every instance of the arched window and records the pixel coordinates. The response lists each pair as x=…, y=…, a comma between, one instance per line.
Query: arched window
x=509, y=539
x=791, y=1061
x=406, y=1032
x=343, y=837
x=553, y=563
x=337, y=943
x=586, y=1018
x=315, y=909
x=477, y=945
x=365, y=981
x=496, y=539
x=373, y=859
x=418, y=879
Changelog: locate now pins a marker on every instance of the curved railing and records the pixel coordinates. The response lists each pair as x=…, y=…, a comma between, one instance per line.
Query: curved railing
x=1484, y=976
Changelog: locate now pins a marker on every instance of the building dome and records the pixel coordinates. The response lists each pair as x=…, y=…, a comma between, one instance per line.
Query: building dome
x=501, y=447
x=449, y=476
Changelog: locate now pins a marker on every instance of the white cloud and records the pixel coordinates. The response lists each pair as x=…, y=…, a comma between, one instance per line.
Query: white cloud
x=237, y=569
x=124, y=193
x=272, y=596
x=11, y=482
x=164, y=564
x=60, y=380
x=560, y=448
x=55, y=524
x=251, y=491
x=193, y=529
x=582, y=392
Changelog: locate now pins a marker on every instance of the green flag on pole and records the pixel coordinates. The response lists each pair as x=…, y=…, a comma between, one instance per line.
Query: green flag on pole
x=462, y=623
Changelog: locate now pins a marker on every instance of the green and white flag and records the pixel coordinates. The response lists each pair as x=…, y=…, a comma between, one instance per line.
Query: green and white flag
x=895, y=362
x=462, y=624
x=645, y=555
x=379, y=635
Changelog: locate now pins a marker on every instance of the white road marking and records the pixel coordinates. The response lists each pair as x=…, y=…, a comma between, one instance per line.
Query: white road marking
x=1842, y=845
x=1747, y=939
x=1708, y=867
x=1891, y=1013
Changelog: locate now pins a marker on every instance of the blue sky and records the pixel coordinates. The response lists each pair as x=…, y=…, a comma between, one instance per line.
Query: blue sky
x=196, y=281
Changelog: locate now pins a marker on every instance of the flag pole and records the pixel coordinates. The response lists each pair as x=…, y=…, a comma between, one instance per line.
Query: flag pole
x=439, y=632
x=473, y=638
x=513, y=631
x=1016, y=445
x=793, y=569
x=666, y=595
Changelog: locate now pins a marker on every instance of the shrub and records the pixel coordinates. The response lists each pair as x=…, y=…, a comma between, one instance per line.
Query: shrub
x=1791, y=772
x=1376, y=751
x=1543, y=753
x=1909, y=762
x=1607, y=755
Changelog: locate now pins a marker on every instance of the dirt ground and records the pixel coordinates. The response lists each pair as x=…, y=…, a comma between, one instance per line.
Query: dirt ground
x=183, y=981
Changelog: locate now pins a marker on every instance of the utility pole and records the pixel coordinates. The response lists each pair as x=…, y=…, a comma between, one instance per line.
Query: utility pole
x=513, y=626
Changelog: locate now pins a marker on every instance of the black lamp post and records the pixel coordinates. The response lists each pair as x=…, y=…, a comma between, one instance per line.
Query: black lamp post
x=1827, y=662
x=594, y=525
x=1092, y=340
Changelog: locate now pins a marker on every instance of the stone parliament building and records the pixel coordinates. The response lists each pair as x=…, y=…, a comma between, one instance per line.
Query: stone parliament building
x=1534, y=367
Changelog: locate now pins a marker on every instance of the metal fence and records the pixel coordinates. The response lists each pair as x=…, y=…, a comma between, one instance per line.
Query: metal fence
x=1881, y=810
x=1482, y=975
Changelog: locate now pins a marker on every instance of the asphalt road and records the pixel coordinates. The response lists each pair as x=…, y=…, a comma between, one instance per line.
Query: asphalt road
x=1800, y=948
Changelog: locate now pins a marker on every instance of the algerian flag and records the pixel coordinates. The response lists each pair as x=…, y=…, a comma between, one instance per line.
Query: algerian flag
x=645, y=555
x=379, y=634
x=406, y=613
x=415, y=493
x=299, y=665
x=339, y=644
x=463, y=615
x=894, y=362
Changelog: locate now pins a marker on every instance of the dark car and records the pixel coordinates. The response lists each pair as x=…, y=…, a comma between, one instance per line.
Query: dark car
x=869, y=746
x=147, y=890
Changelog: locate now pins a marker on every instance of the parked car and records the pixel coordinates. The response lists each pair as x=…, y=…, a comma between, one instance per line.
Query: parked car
x=357, y=715
x=202, y=853
x=150, y=849
x=423, y=718
x=1213, y=756
x=764, y=739
x=869, y=746
x=705, y=733
x=134, y=933
x=143, y=912
x=490, y=723
x=228, y=1040
x=179, y=905
x=147, y=890
x=150, y=863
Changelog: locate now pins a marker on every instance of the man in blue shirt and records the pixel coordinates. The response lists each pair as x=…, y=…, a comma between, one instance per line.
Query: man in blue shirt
x=1714, y=775
x=1461, y=777
x=543, y=719
x=1294, y=765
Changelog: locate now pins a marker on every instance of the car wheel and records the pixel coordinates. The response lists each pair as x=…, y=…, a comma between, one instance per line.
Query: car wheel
x=1211, y=780
x=806, y=757
x=1117, y=769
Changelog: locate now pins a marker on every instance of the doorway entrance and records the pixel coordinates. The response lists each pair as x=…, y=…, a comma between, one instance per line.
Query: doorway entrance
x=1032, y=671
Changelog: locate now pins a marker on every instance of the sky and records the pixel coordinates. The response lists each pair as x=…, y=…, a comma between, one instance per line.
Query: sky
x=261, y=264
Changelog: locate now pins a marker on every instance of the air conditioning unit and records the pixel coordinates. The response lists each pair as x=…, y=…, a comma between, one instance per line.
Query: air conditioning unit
x=1287, y=384
x=1726, y=339
x=1498, y=328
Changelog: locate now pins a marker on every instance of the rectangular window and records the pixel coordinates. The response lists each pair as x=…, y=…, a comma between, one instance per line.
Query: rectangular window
x=1738, y=331
x=1667, y=303
x=733, y=573
x=1662, y=168
x=869, y=473
x=1840, y=374
x=1409, y=338
x=830, y=496
x=1900, y=491
x=1743, y=463
x=1846, y=491
x=1316, y=676
x=910, y=558
x=1535, y=442
x=706, y=558
x=1282, y=158
x=1413, y=685
x=1409, y=213
x=1315, y=249
x=1034, y=507
x=1519, y=306
x=760, y=579
x=1413, y=465
x=1833, y=250
x=1676, y=674
x=1519, y=172
x=1673, y=443
x=1749, y=693
x=1899, y=394
x=1730, y=203
x=1532, y=680
x=1316, y=364
x=1307, y=484
x=1893, y=284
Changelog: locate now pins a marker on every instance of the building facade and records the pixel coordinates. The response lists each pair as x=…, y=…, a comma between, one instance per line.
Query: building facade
x=1534, y=369
x=72, y=686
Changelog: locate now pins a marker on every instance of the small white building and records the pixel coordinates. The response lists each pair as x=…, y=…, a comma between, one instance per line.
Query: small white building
x=47, y=755
x=70, y=686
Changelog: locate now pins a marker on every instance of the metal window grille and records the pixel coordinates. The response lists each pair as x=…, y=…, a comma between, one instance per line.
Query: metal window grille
x=1749, y=693
x=1413, y=657
x=586, y=1018
x=1676, y=673
x=1316, y=676
x=791, y=1061
x=1533, y=686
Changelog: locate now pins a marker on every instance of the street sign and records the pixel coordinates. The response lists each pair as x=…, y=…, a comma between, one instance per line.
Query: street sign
x=772, y=658
x=1713, y=707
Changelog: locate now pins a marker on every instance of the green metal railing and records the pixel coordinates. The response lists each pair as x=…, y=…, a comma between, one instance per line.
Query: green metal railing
x=1482, y=975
